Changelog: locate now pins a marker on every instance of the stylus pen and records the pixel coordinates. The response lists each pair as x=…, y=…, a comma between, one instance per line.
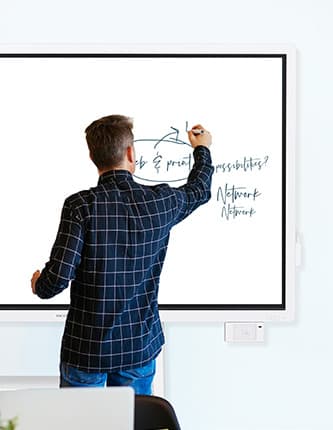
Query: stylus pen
x=198, y=131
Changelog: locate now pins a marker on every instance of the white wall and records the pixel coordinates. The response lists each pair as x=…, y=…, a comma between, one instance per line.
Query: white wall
x=286, y=383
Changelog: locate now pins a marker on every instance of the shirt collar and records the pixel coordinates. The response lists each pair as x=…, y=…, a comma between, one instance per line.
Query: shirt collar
x=115, y=175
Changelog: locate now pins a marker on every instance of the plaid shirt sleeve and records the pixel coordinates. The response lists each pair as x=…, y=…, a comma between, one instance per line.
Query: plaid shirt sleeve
x=197, y=189
x=65, y=255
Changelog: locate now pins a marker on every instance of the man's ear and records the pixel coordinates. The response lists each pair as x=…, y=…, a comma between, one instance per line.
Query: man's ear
x=130, y=154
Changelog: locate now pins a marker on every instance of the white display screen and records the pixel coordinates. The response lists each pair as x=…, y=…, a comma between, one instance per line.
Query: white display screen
x=230, y=253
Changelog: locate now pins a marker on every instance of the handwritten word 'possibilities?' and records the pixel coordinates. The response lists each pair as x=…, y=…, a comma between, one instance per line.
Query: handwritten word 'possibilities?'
x=247, y=164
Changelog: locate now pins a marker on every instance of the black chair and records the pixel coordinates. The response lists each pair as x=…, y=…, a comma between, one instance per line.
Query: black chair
x=153, y=413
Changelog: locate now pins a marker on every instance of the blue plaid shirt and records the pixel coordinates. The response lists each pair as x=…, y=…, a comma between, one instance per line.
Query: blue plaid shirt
x=111, y=245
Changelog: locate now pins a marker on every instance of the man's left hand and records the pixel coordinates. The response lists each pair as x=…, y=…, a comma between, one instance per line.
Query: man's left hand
x=34, y=278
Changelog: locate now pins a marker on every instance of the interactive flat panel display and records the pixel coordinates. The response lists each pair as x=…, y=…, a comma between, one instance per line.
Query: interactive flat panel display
x=231, y=254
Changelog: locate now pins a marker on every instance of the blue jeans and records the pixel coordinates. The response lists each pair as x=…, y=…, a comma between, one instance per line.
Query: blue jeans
x=140, y=379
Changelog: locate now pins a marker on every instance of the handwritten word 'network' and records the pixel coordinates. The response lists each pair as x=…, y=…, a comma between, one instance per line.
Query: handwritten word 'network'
x=231, y=195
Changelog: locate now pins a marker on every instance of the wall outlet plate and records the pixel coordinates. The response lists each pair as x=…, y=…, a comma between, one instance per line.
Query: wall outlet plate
x=244, y=332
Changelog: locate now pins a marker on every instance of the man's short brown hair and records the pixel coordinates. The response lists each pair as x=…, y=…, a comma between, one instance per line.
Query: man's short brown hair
x=108, y=139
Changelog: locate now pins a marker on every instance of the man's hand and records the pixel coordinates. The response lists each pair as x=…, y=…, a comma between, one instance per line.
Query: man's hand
x=199, y=136
x=34, y=278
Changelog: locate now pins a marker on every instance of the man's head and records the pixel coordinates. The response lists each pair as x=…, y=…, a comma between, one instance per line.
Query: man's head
x=110, y=142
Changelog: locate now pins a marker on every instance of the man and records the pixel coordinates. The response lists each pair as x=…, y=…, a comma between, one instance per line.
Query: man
x=111, y=245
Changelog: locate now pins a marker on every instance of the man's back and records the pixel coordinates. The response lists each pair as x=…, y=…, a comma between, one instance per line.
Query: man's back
x=126, y=232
